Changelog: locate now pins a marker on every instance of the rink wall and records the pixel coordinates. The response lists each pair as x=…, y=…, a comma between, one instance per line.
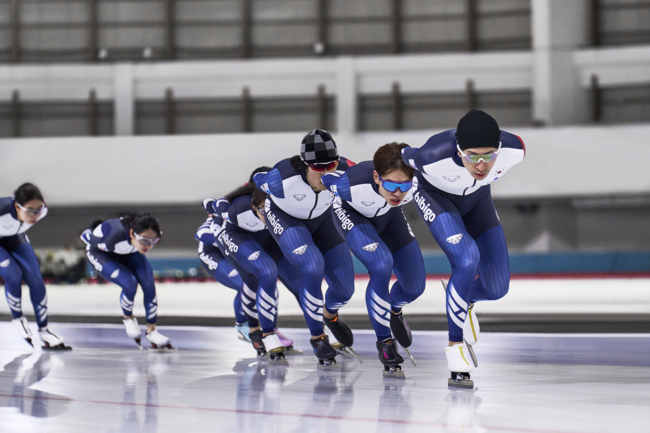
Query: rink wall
x=560, y=162
x=610, y=263
x=539, y=296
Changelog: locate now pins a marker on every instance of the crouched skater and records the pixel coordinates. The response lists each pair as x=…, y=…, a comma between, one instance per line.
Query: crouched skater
x=367, y=213
x=18, y=262
x=249, y=247
x=298, y=214
x=454, y=171
x=116, y=248
x=223, y=272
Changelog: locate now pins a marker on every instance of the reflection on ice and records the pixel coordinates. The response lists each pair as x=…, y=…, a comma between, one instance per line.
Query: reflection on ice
x=214, y=383
x=23, y=372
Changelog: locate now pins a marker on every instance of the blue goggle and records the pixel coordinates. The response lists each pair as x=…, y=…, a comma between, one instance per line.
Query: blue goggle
x=391, y=186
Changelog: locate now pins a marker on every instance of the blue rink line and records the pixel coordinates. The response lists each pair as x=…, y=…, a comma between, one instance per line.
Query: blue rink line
x=437, y=264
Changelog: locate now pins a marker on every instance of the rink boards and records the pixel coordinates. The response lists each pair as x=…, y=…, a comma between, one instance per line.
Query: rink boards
x=538, y=296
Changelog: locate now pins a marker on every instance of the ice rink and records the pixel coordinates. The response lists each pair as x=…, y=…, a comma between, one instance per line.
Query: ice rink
x=530, y=383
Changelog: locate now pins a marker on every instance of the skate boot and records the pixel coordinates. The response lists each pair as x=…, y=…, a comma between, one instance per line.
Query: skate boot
x=256, y=338
x=287, y=342
x=325, y=353
x=23, y=329
x=401, y=330
x=461, y=365
x=471, y=327
x=275, y=349
x=390, y=358
x=340, y=330
x=342, y=338
x=51, y=341
x=242, y=331
x=159, y=342
x=402, y=333
x=133, y=330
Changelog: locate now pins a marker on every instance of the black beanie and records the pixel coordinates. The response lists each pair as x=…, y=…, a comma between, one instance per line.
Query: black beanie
x=477, y=129
x=318, y=147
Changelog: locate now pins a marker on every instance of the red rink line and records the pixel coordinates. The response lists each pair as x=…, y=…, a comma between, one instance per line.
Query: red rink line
x=298, y=415
x=545, y=276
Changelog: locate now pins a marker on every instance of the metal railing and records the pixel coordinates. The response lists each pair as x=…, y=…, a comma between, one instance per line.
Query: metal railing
x=93, y=30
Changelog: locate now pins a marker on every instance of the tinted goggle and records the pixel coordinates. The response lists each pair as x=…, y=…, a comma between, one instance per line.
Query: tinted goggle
x=146, y=241
x=33, y=212
x=391, y=186
x=324, y=167
x=475, y=159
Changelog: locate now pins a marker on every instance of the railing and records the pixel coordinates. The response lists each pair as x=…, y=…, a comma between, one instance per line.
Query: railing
x=128, y=30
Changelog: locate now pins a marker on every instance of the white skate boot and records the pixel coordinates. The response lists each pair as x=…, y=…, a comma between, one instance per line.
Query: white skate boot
x=275, y=349
x=23, y=329
x=461, y=364
x=242, y=331
x=471, y=327
x=133, y=330
x=51, y=341
x=159, y=342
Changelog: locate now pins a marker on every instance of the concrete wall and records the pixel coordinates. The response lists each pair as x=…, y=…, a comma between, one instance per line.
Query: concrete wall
x=560, y=162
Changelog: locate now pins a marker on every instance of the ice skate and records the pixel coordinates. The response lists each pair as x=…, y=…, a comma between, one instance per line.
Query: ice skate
x=471, y=327
x=390, y=358
x=287, y=342
x=23, y=329
x=275, y=349
x=340, y=348
x=400, y=329
x=242, y=331
x=51, y=341
x=340, y=330
x=159, y=342
x=133, y=330
x=408, y=352
x=325, y=353
x=461, y=363
x=256, y=340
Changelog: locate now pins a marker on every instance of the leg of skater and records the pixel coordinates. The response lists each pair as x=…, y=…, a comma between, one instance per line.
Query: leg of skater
x=115, y=272
x=298, y=247
x=254, y=260
x=12, y=275
x=143, y=272
x=339, y=275
x=289, y=276
x=368, y=247
x=223, y=272
x=26, y=259
x=493, y=278
x=408, y=266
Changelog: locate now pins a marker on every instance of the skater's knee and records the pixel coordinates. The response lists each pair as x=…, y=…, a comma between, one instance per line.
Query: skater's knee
x=345, y=290
x=12, y=280
x=268, y=275
x=500, y=288
x=415, y=285
x=129, y=287
x=313, y=269
x=380, y=265
x=469, y=261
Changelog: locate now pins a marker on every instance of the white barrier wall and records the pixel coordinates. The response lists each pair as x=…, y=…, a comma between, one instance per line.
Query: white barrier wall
x=562, y=161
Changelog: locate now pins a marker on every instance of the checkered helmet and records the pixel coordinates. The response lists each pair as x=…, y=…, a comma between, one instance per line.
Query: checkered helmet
x=318, y=147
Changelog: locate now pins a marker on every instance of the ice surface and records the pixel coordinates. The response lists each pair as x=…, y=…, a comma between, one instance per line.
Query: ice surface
x=528, y=383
